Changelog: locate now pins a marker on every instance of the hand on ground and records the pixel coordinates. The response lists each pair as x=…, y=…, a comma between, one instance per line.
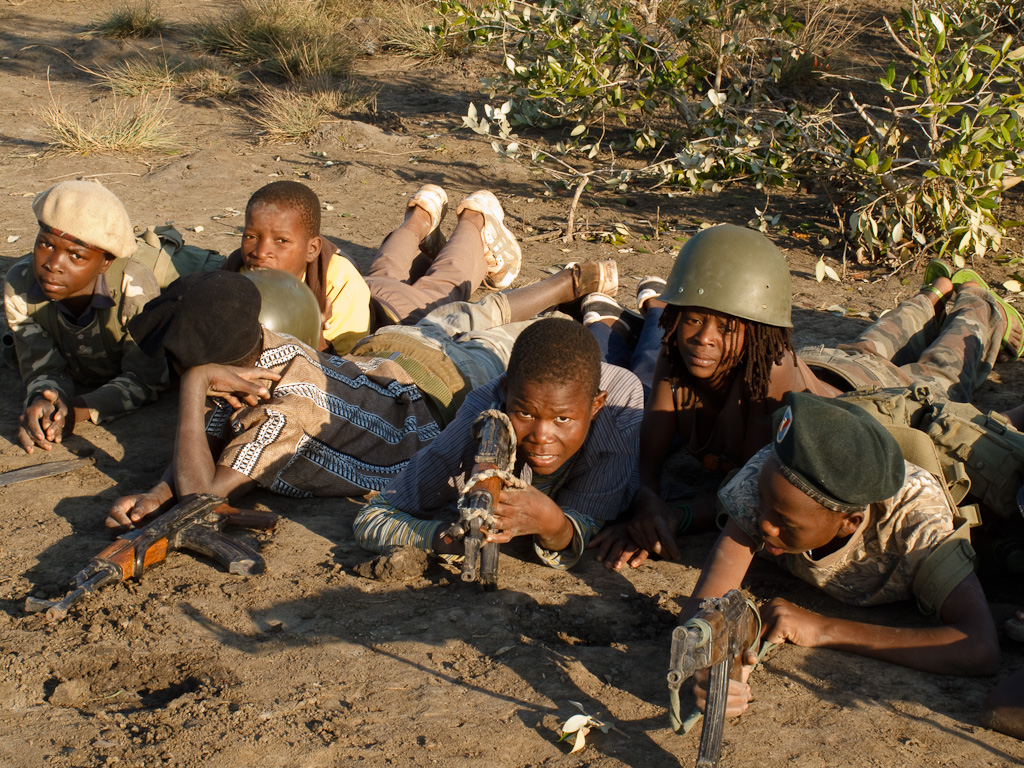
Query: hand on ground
x=653, y=526
x=42, y=421
x=129, y=510
x=616, y=548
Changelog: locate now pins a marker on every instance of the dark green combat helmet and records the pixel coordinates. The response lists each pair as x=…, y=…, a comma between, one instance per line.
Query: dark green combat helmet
x=289, y=306
x=733, y=270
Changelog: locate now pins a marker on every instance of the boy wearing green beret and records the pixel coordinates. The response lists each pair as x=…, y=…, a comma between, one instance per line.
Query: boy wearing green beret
x=854, y=519
x=67, y=306
x=727, y=359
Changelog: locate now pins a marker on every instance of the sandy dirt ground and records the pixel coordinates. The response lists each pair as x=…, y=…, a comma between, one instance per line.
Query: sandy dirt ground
x=324, y=660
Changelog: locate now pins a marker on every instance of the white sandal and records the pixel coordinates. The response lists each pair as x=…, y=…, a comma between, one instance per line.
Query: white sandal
x=501, y=250
x=651, y=287
x=434, y=200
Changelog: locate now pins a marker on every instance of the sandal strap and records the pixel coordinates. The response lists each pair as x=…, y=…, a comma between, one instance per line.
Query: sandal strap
x=432, y=199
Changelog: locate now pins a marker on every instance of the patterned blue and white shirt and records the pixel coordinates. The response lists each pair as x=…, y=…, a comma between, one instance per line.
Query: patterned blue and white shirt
x=334, y=426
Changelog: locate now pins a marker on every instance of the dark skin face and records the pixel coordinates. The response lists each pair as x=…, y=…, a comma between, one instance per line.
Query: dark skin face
x=711, y=345
x=551, y=420
x=791, y=522
x=66, y=271
x=275, y=237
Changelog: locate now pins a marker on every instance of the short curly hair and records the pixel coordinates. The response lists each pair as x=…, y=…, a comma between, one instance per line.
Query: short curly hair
x=557, y=350
x=290, y=194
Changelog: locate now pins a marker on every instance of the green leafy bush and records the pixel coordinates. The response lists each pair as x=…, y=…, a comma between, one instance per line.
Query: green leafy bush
x=701, y=97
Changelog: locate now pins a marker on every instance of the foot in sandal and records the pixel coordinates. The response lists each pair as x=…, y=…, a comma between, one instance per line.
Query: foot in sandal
x=501, y=250
x=434, y=201
x=1013, y=338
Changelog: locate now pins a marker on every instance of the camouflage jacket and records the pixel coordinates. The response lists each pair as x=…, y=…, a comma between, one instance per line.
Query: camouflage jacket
x=55, y=353
x=879, y=561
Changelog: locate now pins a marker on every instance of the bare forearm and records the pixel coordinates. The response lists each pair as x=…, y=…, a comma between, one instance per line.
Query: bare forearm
x=945, y=650
x=194, y=465
x=655, y=445
x=558, y=539
x=164, y=488
x=724, y=569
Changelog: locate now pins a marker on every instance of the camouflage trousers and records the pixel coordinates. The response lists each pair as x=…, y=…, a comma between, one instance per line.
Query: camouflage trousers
x=910, y=346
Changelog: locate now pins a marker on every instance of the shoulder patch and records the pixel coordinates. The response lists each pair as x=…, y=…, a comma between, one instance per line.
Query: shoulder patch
x=784, y=425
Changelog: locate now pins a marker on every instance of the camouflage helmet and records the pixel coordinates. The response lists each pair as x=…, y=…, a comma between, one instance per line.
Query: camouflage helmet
x=733, y=270
x=288, y=305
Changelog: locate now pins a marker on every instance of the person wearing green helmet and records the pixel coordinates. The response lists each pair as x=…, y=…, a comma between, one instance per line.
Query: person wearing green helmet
x=261, y=408
x=287, y=305
x=727, y=360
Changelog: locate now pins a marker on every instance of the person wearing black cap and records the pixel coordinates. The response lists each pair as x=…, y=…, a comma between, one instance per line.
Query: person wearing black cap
x=306, y=424
x=851, y=517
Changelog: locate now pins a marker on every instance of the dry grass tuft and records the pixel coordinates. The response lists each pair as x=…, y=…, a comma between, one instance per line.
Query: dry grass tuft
x=132, y=20
x=122, y=127
x=139, y=76
x=210, y=82
x=295, y=114
x=410, y=27
x=295, y=39
x=414, y=29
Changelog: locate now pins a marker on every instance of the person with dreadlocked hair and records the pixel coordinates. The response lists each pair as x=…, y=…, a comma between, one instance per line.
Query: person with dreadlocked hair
x=727, y=361
x=764, y=348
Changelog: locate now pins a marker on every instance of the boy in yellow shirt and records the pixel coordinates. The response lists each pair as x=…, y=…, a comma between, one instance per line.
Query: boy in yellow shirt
x=282, y=231
x=414, y=270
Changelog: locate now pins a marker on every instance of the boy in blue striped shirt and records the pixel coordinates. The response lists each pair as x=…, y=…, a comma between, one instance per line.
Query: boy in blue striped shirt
x=577, y=424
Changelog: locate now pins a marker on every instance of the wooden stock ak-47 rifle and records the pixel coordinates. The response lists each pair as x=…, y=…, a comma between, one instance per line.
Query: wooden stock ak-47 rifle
x=491, y=472
x=194, y=524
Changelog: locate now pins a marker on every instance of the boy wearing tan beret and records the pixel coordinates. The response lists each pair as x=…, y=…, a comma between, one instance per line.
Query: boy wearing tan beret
x=67, y=304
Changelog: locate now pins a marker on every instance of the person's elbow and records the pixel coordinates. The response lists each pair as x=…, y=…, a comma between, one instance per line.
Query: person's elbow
x=361, y=529
x=974, y=649
x=984, y=659
x=976, y=654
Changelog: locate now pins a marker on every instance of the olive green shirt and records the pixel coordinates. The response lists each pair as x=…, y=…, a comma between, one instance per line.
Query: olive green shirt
x=92, y=352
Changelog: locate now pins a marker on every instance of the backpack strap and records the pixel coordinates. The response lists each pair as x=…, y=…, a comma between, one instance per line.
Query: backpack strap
x=162, y=249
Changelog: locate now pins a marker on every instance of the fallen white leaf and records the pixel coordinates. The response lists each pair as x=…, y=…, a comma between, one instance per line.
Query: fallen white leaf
x=581, y=740
x=574, y=723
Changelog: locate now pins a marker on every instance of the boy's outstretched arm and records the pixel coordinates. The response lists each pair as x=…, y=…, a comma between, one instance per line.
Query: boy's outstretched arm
x=132, y=509
x=966, y=644
x=196, y=468
x=723, y=570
